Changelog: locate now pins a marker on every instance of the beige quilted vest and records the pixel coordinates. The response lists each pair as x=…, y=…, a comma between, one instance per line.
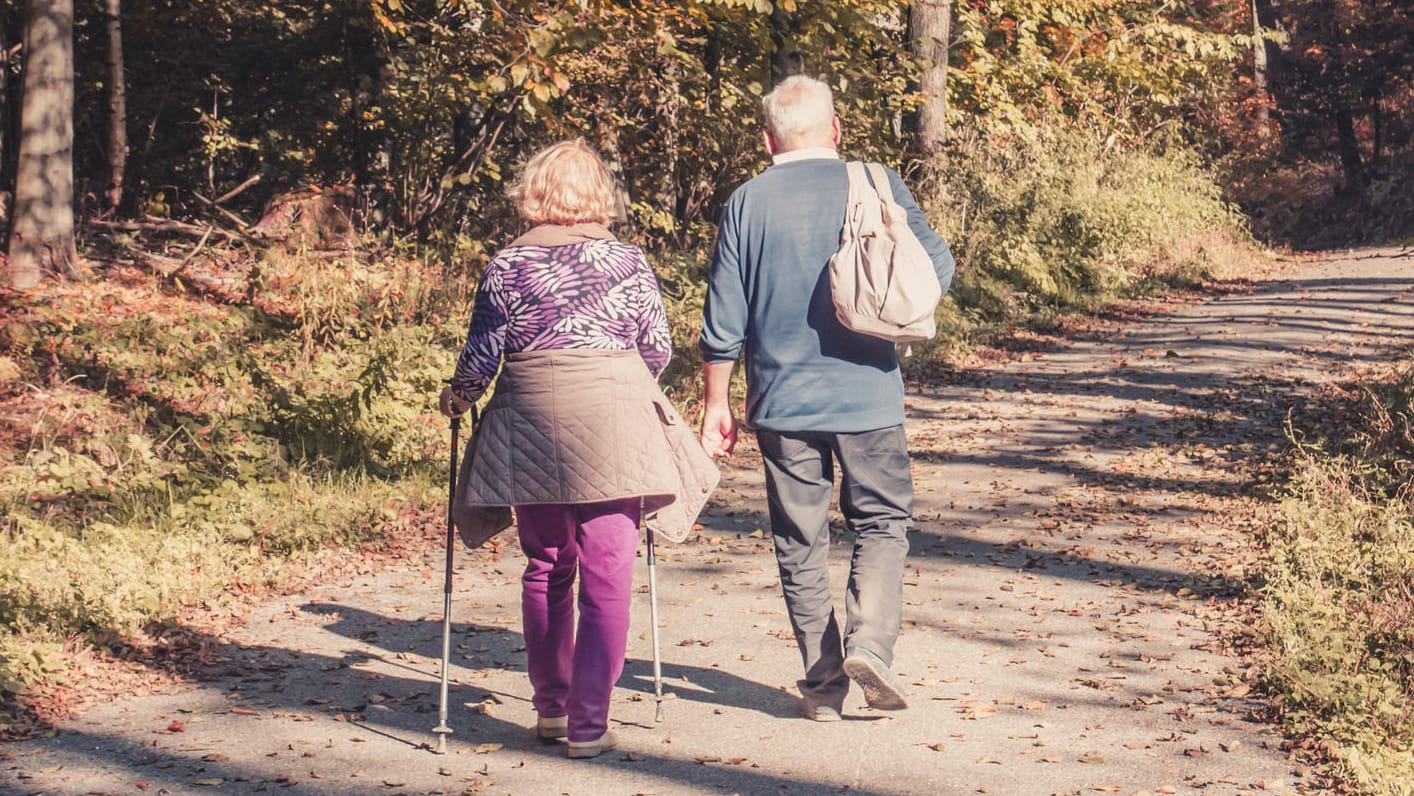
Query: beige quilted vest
x=582, y=426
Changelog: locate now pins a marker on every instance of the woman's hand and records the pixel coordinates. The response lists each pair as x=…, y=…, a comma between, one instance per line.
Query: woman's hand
x=452, y=404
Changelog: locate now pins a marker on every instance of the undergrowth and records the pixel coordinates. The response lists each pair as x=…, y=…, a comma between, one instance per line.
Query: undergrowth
x=1339, y=602
x=160, y=448
x=1058, y=222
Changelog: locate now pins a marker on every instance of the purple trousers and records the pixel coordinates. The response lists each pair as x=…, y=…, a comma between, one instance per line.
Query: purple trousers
x=573, y=674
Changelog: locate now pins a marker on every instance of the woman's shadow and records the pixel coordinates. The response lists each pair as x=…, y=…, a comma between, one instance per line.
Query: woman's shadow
x=482, y=646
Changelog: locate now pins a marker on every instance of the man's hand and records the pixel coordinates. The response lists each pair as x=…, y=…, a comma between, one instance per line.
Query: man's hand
x=452, y=404
x=718, y=435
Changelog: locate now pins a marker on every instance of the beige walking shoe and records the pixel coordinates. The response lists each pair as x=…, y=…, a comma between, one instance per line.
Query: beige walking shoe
x=580, y=750
x=552, y=728
x=881, y=688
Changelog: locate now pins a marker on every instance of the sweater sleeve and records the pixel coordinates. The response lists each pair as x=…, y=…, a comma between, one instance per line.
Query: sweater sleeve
x=655, y=340
x=932, y=242
x=486, y=337
x=724, y=312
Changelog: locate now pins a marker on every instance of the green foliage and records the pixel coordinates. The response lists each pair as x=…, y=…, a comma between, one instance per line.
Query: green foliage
x=1056, y=220
x=1339, y=600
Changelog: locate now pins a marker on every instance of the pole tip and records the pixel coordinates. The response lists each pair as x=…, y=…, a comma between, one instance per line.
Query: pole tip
x=442, y=731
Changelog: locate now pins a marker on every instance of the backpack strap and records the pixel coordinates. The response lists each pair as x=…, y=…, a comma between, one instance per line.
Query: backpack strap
x=858, y=182
x=854, y=204
x=880, y=179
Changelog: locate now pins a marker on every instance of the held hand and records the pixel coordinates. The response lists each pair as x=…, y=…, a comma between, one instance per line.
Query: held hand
x=718, y=436
x=452, y=404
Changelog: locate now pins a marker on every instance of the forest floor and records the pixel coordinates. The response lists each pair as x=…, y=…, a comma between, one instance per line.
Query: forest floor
x=1081, y=603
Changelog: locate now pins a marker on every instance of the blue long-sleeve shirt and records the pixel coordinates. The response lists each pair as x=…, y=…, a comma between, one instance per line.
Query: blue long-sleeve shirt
x=769, y=296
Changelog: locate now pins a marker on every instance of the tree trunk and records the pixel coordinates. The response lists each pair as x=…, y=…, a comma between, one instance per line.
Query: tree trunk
x=1274, y=64
x=117, y=105
x=42, y=235
x=930, y=23
x=1350, y=159
x=1259, y=68
x=668, y=140
x=6, y=111
x=1377, y=132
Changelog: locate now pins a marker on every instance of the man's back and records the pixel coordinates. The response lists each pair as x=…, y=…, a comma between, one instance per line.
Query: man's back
x=770, y=287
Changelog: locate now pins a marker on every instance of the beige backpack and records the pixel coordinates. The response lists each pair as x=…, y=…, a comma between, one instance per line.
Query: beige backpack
x=882, y=279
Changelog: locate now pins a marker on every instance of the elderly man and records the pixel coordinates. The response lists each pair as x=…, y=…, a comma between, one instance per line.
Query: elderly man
x=817, y=394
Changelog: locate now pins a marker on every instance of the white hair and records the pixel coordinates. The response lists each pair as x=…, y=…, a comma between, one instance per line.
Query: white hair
x=798, y=109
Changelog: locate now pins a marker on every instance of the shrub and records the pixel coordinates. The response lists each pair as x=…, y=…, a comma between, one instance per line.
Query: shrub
x=1339, y=599
x=1056, y=220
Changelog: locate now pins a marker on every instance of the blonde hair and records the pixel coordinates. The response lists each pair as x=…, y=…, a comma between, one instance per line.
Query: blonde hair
x=798, y=109
x=565, y=183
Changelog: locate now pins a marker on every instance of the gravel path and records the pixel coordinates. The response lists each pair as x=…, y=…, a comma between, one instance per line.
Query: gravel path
x=1084, y=548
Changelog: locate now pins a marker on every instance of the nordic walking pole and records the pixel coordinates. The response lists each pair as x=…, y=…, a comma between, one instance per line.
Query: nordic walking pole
x=442, y=729
x=653, y=615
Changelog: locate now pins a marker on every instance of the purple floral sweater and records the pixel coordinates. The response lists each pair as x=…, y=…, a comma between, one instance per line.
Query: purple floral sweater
x=591, y=294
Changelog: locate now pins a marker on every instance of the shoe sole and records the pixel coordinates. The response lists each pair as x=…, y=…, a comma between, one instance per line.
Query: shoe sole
x=878, y=692
x=582, y=750
x=820, y=714
x=550, y=733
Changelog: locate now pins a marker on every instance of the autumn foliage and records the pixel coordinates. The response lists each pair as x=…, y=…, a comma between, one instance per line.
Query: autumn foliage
x=242, y=375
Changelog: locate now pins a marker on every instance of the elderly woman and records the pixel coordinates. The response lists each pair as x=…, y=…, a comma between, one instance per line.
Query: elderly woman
x=577, y=437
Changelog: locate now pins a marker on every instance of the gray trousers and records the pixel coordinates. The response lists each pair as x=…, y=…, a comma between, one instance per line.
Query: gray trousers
x=876, y=496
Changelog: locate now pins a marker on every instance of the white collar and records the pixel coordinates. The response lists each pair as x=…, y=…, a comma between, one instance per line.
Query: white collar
x=807, y=153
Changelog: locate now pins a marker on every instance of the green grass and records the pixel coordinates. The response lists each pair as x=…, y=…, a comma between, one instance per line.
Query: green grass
x=162, y=450
x=1339, y=599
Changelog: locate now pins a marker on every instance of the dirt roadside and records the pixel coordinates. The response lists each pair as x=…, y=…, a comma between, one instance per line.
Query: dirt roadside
x=1083, y=557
